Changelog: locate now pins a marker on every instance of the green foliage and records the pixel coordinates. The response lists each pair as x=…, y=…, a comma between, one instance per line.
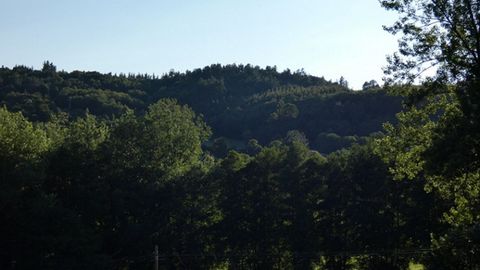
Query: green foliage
x=436, y=138
x=285, y=111
x=239, y=102
x=173, y=137
x=119, y=167
x=442, y=34
x=405, y=144
x=97, y=101
x=88, y=133
x=295, y=136
x=20, y=141
x=104, y=192
x=113, y=164
x=329, y=142
x=33, y=225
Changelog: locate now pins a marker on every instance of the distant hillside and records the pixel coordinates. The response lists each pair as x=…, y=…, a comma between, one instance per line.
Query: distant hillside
x=239, y=102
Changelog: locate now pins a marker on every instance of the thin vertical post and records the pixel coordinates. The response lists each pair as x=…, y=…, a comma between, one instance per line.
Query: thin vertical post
x=156, y=257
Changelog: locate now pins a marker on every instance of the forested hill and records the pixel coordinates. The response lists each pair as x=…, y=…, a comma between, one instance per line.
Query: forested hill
x=239, y=102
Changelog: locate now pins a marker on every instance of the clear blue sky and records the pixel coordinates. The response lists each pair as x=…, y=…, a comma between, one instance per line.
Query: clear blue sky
x=327, y=38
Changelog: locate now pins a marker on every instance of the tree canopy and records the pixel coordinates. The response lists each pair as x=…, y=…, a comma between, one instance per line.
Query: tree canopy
x=437, y=138
x=242, y=167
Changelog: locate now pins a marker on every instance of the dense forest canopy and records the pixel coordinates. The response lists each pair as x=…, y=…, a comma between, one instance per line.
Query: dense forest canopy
x=242, y=167
x=239, y=102
x=91, y=193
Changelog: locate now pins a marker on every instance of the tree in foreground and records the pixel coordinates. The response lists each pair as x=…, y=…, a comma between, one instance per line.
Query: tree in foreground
x=437, y=137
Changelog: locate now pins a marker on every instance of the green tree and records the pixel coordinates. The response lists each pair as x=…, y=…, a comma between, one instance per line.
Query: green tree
x=436, y=33
x=22, y=149
x=175, y=135
x=38, y=229
x=75, y=179
x=154, y=186
x=437, y=135
x=305, y=190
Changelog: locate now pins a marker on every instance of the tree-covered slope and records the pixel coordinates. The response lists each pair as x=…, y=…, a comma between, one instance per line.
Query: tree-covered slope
x=239, y=102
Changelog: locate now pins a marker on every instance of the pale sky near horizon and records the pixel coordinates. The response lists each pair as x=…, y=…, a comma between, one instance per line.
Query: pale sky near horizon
x=326, y=38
